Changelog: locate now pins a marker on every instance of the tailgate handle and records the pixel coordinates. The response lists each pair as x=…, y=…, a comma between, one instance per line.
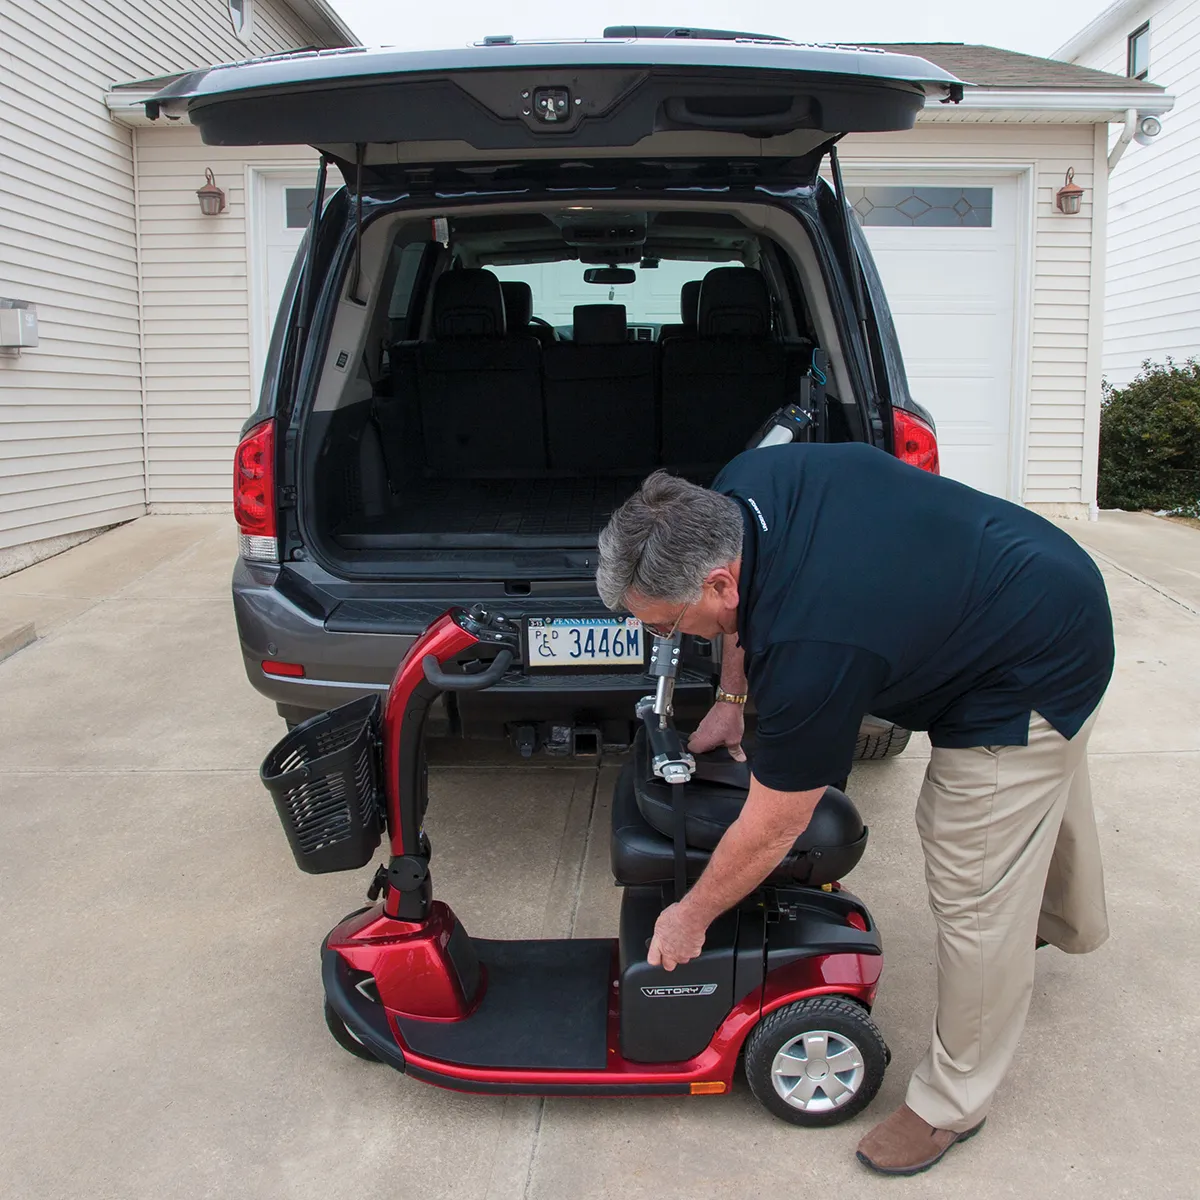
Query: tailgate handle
x=679, y=109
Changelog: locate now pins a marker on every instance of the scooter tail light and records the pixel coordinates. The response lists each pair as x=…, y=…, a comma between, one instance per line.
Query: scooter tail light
x=254, y=494
x=915, y=441
x=857, y=920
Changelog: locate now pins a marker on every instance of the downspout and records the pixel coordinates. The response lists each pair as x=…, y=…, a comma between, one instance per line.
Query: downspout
x=141, y=319
x=1131, y=122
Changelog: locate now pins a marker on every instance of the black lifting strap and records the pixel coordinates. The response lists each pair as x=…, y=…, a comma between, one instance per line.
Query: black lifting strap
x=679, y=837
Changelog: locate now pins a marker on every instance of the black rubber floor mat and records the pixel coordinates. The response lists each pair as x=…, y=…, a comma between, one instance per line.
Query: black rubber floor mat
x=546, y=1006
x=513, y=507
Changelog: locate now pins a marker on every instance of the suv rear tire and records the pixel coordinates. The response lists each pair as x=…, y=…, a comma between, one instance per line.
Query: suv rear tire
x=881, y=743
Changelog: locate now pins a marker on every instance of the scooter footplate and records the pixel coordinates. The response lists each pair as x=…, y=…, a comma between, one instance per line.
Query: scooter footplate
x=546, y=1006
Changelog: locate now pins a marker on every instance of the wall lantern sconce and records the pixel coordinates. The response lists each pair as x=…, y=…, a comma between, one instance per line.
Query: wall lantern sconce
x=1070, y=195
x=212, y=199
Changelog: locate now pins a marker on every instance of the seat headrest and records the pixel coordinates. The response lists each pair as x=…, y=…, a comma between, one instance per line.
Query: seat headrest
x=518, y=303
x=599, y=324
x=468, y=303
x=689, y=303
x=734, y=301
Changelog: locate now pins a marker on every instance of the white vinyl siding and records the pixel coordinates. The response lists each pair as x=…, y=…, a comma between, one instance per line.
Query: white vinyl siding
x=1058, y=393
x=196, y=296
x=71, y=435
x=1152, y=294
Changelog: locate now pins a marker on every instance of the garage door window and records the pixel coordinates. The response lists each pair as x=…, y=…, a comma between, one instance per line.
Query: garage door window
x=948, y=207
x=297, y=203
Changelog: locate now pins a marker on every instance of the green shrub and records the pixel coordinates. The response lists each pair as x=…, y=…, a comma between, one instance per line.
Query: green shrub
x=1150, y=440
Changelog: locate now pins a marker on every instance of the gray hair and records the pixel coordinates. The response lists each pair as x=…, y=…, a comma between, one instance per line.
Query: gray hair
x=665, y=539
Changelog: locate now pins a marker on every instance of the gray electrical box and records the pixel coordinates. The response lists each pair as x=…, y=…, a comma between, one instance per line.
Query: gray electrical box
x=18, y=325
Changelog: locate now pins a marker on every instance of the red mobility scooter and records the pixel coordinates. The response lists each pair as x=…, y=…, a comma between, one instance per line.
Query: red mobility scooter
x=786, y=979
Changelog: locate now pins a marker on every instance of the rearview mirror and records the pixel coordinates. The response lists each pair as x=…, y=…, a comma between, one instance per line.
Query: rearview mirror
x=610, y=275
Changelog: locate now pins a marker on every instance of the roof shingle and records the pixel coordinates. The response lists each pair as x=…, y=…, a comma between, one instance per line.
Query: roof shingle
x=990, y=67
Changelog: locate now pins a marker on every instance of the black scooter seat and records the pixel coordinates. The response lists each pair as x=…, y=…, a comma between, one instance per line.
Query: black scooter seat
x=642, y=851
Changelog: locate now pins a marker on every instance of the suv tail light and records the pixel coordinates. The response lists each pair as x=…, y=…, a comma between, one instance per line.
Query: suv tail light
x=254, y=494
x=915, y=441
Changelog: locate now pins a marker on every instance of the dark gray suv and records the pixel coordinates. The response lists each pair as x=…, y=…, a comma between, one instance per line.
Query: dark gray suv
x=549, y=269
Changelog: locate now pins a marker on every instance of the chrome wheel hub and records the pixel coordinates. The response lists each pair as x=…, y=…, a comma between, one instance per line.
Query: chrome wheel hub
x=818, y=1071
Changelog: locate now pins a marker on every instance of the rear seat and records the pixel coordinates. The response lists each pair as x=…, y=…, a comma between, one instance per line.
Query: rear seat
x=480, y=390
x=600, y=396
x=720, y=386
x=477, y=401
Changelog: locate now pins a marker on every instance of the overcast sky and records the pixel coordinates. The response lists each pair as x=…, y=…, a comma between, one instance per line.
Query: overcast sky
x=1033, y=26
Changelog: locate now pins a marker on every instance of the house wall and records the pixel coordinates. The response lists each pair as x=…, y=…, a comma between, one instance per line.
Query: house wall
x=1060, y=396
x=71, y=435
x=195, y=313
x=1152, y=298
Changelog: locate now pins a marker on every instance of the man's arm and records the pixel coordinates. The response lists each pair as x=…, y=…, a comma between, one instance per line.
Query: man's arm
x=750, y=849
x=724, y=723
x=733, y=666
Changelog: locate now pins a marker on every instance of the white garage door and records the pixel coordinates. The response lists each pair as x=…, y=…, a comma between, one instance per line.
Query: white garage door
x=284, y=207
x=947, y=253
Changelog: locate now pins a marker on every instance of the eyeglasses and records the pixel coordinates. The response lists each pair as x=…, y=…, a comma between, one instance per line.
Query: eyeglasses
x=659, y=631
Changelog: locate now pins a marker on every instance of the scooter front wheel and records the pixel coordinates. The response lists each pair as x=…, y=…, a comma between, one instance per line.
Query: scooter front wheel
x=816, y=1062
x=343, y=1036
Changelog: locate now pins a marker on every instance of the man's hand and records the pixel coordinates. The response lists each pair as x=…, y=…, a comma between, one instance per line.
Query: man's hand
x=749, y=850
x=678, y=938
x=723, y=725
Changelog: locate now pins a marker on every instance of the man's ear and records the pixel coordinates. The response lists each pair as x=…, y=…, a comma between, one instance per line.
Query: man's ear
x=724, y=585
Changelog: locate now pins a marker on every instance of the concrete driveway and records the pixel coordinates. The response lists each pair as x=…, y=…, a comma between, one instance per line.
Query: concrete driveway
x=160, y=1001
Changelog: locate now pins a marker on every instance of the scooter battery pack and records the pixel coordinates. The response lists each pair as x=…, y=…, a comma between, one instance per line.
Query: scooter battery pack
x=671, y=1016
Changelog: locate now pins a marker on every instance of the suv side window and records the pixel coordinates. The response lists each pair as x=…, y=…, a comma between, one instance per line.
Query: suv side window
x=885, y=344
x=400, y=303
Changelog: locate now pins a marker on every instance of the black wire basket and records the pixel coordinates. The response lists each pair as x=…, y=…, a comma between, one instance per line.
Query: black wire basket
x=326, y=778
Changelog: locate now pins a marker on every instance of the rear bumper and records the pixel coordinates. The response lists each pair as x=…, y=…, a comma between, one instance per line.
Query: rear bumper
x=338, y=667
x=355, y=650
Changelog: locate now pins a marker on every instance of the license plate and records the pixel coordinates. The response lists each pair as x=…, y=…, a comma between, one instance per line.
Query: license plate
x=585, y=642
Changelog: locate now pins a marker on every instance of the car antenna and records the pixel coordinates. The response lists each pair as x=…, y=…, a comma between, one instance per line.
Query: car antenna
x=359, y=151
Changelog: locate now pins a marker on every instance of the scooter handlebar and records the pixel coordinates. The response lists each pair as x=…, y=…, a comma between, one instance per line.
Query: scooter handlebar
x=466, y=683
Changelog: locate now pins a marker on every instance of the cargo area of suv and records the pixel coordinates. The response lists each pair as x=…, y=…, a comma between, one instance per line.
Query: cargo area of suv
x=547, y=270
x=490, y=410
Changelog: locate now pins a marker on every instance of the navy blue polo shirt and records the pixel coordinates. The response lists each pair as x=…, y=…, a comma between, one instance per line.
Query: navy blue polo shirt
x=869, y=586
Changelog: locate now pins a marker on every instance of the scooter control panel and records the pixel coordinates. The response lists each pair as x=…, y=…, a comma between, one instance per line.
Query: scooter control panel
x=489, y=626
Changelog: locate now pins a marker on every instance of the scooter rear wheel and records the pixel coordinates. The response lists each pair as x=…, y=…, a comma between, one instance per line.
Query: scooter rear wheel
x=816, y=1062
x=343, y=1036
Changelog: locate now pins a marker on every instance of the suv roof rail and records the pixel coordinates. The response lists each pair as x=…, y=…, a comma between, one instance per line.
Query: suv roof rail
x=683, y=31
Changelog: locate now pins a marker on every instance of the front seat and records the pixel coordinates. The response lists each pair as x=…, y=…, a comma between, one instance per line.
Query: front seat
x=518, y=312
x=643, y=824
x=689, y=312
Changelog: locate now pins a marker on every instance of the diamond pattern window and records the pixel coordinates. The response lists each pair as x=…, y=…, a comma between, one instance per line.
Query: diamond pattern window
x=948, y=207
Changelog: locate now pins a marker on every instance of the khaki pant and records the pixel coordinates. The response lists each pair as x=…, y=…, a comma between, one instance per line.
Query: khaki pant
x=1011, y=852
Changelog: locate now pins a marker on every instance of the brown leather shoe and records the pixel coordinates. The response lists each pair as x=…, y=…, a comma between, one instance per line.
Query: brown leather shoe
x=904, y=1144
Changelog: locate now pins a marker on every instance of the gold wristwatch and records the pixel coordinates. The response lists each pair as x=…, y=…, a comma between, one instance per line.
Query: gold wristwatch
x=730, y=697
